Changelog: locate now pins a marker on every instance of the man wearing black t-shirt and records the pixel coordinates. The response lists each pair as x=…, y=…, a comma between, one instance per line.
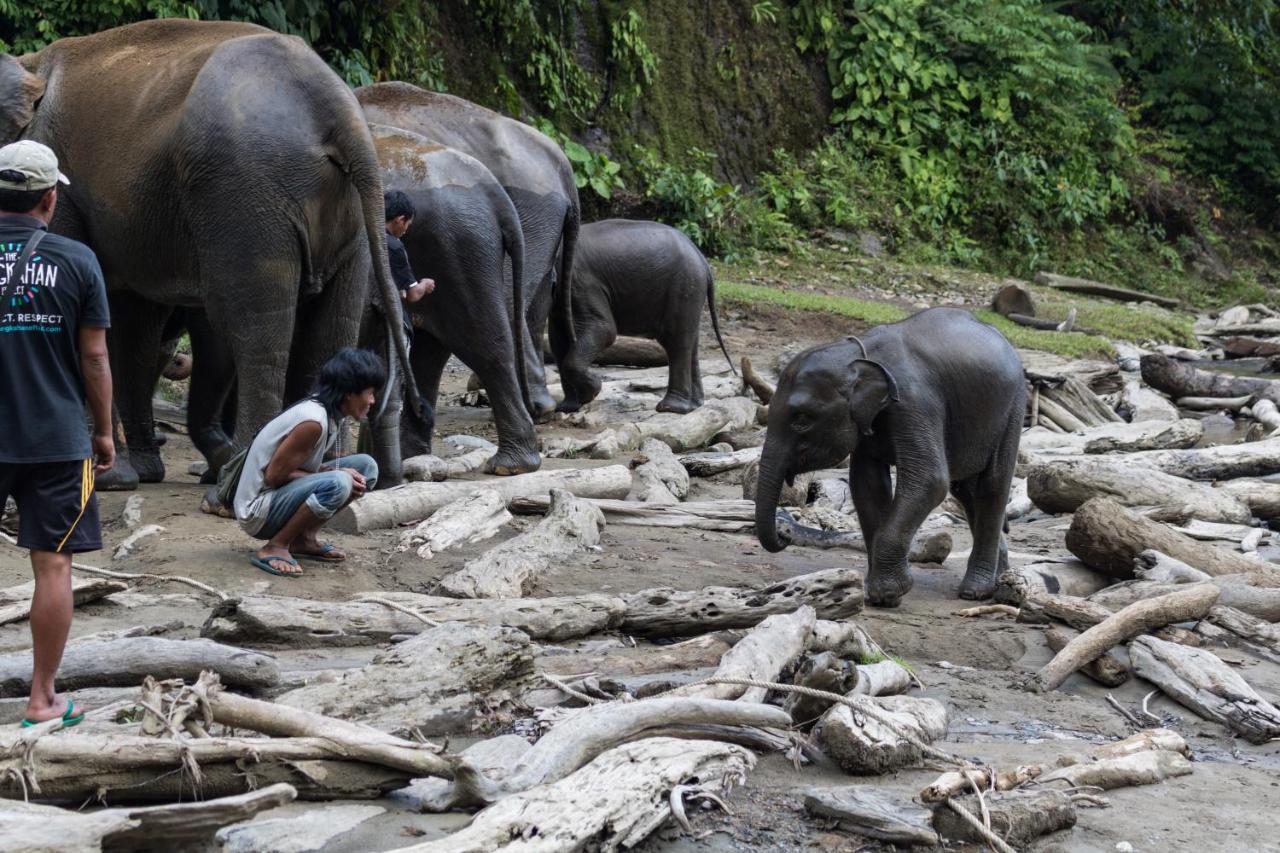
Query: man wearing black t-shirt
x=53, y=362
x=400, y=212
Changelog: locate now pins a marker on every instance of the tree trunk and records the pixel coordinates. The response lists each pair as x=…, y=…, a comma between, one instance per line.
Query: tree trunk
x=1063, y=486
x=413, y=502
x=1257, y=602
x=754, y=381
x=428, y=683
x=465, y=521
x=1258, y=635
x=511, y=569
x=867, y=746
x=833, y=594
x=1109, y=537
x=697, y=653
x=1158, y=435
x=1199, y=680
x=710, y=464
x=1224, y=462
x=1094, y=288
x=769, y=648
x=1018, y=817
x=1184, y=605
x=1141, y=768
x=303, y=623
x=1068, y=577
x=724, y=516
x=1261, y=496
x=616, y=801
x=1107, y=670
x=15, y=601
x=1236, y=347
x=124, y=663
x=1143, y=404
x=1178, y=379
x=869, y=812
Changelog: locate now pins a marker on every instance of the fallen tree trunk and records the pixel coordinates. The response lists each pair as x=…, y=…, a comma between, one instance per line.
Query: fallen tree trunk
x=633, y=352
x=428, y=683
x=115, y=767
x=685, y=432
x=1199, y=680
x=413, y=502
x=761, y=655
x=1258, y=635
x=511, y=569
x=1143, y=741
x=710, y=464
x=1074, y=396
x=1261, y=603
x=1141, y=403
x=1018, y=817
x=303, y=623
x=1158, y=435
x=1237, y=347
x=1048, y=325
x=867, y=811
x=1223, y=462
x=868, y=746
x=696, y=653
x=617, y=800
x=15, y=601
x=1082, y=614
x=1178, y=379
x=724, y=516
x=29, y=827
x=1184, y=605
x=1212, y=404
x=1154, y=566
x=1063, y=486
x=1107, y=670
x=1261, y=496
x=1141, y=768
x=753, y=380
x=1067, y=577
x=659, y=476
x=954, y=784
x=1108, y=537
x=1095, y=288
x=124, y=663
x=833, y=594
x=428, y=468
x=465, y=521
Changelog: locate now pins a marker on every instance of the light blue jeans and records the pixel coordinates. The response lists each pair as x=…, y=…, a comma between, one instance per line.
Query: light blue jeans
x=324, y=492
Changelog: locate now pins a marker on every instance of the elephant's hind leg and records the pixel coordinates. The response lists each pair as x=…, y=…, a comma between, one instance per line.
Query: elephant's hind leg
x=580, y=383
x=134, y=340
x=985, y=498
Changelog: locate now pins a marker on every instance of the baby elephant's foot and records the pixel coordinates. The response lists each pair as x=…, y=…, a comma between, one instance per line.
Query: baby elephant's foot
x=507, y=463
x=676, y=403
x=977, y=586
x=887, y=589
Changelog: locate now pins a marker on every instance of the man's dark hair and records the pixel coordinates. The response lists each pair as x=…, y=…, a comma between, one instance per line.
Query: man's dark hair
x=19, y=201
x=398, y=203
x=350, y=371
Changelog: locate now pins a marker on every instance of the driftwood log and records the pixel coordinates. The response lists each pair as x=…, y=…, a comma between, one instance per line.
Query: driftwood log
x=1199, y=680
x=1141, y=403
x=954, y=783
x=1066, y=577
x=870, y=812
x=1238, y=347
x=1108, y=537
x=303, y=623
x=633, y=352
x=429, y=683
x=1261, y=496
x=1259, y=602
x=15, y=601
x=832, y=593
x=1150, y=435
x=1190, y=603
x=310, y=830
x=1178, y=379
x=755, y=382
x=696, y=653
x=511, y=569
x=724, y=516
x=865, y=745
x=31, y=828
x=761, y=655
x=1149, y=767
x=1223, y=462
x=125, y=662
x=1095, y=288
x=1258, y=635
x=658, y=477
x=413, y=502
x=710, y=464
x=435, y=469
x=1018, y=817
x=614, y=802
x=468, y=520
x=1107, y=669
x=1062, y=486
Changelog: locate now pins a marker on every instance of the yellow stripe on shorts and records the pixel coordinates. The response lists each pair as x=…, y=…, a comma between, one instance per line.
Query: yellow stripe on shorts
x=86, y=490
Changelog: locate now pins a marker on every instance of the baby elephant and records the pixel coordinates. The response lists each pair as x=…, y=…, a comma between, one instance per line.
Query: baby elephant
x=940, y=397
x=643, y=279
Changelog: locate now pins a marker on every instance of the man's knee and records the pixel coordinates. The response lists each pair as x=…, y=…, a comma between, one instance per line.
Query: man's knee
x=331, y=495
x=365, y=464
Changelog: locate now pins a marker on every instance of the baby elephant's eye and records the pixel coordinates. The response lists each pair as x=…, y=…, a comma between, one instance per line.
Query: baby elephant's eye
x=801, y=422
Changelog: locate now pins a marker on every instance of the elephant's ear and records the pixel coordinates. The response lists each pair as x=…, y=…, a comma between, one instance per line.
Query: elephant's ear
x=20, y=90
x=873, y=388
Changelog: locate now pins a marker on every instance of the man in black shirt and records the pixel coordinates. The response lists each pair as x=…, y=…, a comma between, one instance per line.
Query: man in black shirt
x=53, y=361
x=400, y=212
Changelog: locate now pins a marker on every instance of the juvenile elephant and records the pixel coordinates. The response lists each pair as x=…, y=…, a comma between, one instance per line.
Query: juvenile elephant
x=644, y=279
x=213, y=165
x=941, y=397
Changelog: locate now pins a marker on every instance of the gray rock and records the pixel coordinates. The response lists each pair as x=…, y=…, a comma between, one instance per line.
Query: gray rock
x=303, y=833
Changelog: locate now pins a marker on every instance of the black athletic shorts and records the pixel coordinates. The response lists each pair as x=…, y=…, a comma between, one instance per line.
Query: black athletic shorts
x=57, y=509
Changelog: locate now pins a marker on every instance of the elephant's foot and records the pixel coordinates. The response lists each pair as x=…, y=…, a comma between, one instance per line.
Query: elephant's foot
x=543, y=405
x=887, y=588
x=507, y=463
x=211, y=505
x=148, y=465
x=121, y=478
x=677, y=403
x=569, y=406
x=977, y=586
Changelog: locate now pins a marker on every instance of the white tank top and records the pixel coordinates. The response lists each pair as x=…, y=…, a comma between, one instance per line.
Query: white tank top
x=253, y=495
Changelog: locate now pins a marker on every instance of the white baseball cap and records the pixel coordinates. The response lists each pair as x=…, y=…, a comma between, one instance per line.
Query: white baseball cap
x=35, y=163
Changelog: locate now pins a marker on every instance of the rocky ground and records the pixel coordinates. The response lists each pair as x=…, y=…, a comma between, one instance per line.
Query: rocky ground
x=973, y=665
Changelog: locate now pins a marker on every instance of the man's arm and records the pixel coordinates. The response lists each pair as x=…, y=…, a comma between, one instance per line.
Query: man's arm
x=95, y=368
x=286, y=462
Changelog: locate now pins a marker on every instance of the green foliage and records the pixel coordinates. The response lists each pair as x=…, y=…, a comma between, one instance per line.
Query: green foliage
x=591, y=169
x=871, y=313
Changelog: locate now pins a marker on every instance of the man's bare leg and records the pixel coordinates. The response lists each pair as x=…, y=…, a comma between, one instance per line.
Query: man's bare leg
x=51, y=607
x=302, y=524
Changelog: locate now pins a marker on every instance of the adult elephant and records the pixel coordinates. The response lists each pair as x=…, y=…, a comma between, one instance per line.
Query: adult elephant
x=216, y=165
x=940, y=396
x=539, y=180
x=464, y=230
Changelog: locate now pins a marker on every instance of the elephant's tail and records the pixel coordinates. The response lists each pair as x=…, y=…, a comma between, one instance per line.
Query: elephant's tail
x=715, y=321
x=562, y=313
x=513, y=244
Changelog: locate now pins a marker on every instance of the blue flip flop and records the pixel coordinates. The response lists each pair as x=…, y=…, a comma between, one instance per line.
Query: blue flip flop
x=264, y=563
x=322, y=557
x=69, y=717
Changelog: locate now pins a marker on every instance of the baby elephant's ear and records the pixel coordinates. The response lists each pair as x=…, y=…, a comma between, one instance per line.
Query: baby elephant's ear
x=19, y=92
x=873, y=388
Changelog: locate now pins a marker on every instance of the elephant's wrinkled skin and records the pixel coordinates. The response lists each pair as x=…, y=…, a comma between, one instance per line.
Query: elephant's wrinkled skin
x=643, y=279
x=535, y=174
x=464, y=227
x=212, y=164
x=950, y=417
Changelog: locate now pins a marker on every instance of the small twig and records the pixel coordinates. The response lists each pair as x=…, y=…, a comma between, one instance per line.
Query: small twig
x=1148, y=714
x=1124, y=712
x=988, y=610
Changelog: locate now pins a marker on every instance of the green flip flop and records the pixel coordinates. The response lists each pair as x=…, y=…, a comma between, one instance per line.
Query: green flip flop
x=69, y=717
x=264, y=563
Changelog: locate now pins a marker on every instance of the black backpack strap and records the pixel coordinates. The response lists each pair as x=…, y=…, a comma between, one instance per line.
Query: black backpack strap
x=20, y=268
